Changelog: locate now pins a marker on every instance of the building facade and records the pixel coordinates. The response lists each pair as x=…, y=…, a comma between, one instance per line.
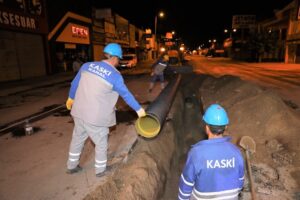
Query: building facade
x=292, y=54
x=111, y=27
x=285, y=25
x=23, y=39
x=68, y=40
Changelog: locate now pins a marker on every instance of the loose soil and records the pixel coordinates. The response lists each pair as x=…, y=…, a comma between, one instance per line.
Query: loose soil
x=152, y=171
x=152, y=168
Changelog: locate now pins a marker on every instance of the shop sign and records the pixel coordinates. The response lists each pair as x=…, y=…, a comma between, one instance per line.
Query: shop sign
x=80, y=32
x=227, y=43
x=16, y=20
x=23, y=15
x=168, y=43
x=169, y=35
x=148, y=31
x=74, y=33
x=243, y=21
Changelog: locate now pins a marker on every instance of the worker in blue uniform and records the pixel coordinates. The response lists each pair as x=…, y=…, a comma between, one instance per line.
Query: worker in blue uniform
x=214, y=168
x=92, y=98
x=157, y=73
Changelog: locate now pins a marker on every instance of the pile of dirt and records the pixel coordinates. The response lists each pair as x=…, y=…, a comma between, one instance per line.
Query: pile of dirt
x=144, y=174
x=253, y=111
x=262, y=115
x=142, y=177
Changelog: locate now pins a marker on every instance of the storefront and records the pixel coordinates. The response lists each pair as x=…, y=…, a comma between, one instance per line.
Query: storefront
x=23, y=39
x=292, y=54
x=70, y=40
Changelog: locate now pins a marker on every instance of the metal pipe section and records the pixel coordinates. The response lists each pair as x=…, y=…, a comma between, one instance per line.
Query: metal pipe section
x=150, y=125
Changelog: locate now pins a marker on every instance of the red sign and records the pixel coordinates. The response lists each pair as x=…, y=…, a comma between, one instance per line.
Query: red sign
x=169, y=35
x=79, y=32
x=168, y=43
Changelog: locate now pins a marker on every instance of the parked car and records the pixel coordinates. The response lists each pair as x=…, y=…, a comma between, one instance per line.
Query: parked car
x=128, y=61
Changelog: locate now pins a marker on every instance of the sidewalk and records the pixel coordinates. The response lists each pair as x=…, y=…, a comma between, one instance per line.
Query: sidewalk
x=20, y=99
x=13, y=87
x=33, y=167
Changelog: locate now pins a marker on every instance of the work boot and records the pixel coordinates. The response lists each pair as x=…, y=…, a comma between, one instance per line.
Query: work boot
x=74, y=170
x=100, y=174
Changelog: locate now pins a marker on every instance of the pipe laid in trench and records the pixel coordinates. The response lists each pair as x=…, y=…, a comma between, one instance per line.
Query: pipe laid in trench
x=150, y=125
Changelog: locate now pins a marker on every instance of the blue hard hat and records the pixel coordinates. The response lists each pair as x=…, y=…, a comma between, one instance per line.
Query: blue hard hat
x=215, y=115
x=113, y=49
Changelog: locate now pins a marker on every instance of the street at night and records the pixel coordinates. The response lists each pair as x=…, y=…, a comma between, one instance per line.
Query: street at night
x=165, y=100
x=283, y=78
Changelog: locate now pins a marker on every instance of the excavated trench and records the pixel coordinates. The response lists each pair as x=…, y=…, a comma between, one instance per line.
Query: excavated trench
x=188, y=127
x=153, y=168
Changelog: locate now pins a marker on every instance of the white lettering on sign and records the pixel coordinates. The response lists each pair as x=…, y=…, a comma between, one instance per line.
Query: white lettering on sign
x=79, y=32
x=224, y=163
x=12, y=19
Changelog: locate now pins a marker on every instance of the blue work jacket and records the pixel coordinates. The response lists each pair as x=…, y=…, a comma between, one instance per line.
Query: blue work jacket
x=214, y=170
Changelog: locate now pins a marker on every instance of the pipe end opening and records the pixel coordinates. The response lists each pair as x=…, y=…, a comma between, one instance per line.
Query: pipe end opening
x=147, y=126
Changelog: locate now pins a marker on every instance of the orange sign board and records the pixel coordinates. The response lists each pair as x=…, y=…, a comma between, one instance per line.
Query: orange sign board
x=169, y=35
x=74, y=33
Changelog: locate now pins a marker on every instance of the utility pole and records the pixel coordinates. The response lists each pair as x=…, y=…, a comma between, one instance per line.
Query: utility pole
x=161, y=14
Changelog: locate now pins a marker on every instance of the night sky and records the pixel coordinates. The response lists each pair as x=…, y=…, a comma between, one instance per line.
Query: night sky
x=194, y=24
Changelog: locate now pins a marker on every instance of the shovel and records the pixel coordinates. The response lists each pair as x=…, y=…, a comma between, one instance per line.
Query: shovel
x=248, y=144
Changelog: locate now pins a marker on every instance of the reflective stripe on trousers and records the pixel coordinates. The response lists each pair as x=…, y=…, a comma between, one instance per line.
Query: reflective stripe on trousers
x=222, y=195
x=98, y=135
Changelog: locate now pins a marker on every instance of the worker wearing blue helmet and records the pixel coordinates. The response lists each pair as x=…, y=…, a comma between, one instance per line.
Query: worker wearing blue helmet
x=92, y=98
x=214, y=168
x=113, y=49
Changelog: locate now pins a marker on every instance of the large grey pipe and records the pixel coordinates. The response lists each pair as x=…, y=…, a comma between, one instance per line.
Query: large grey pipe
x=157, y=111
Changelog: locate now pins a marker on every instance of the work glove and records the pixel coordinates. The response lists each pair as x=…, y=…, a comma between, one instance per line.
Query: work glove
x=141, y=112
x=69, y=103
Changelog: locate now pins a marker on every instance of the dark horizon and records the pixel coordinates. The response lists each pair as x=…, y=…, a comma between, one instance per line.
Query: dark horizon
x=193, y=23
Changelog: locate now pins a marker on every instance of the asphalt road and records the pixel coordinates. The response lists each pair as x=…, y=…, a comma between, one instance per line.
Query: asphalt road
x=277, y=75
x=283, y=78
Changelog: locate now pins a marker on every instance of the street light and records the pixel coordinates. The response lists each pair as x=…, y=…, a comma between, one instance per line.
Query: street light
x=228, y=42
x=160, y=14
x=230, y=32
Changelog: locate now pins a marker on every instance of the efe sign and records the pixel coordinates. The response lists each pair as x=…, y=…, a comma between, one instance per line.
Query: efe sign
x=79, y=32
